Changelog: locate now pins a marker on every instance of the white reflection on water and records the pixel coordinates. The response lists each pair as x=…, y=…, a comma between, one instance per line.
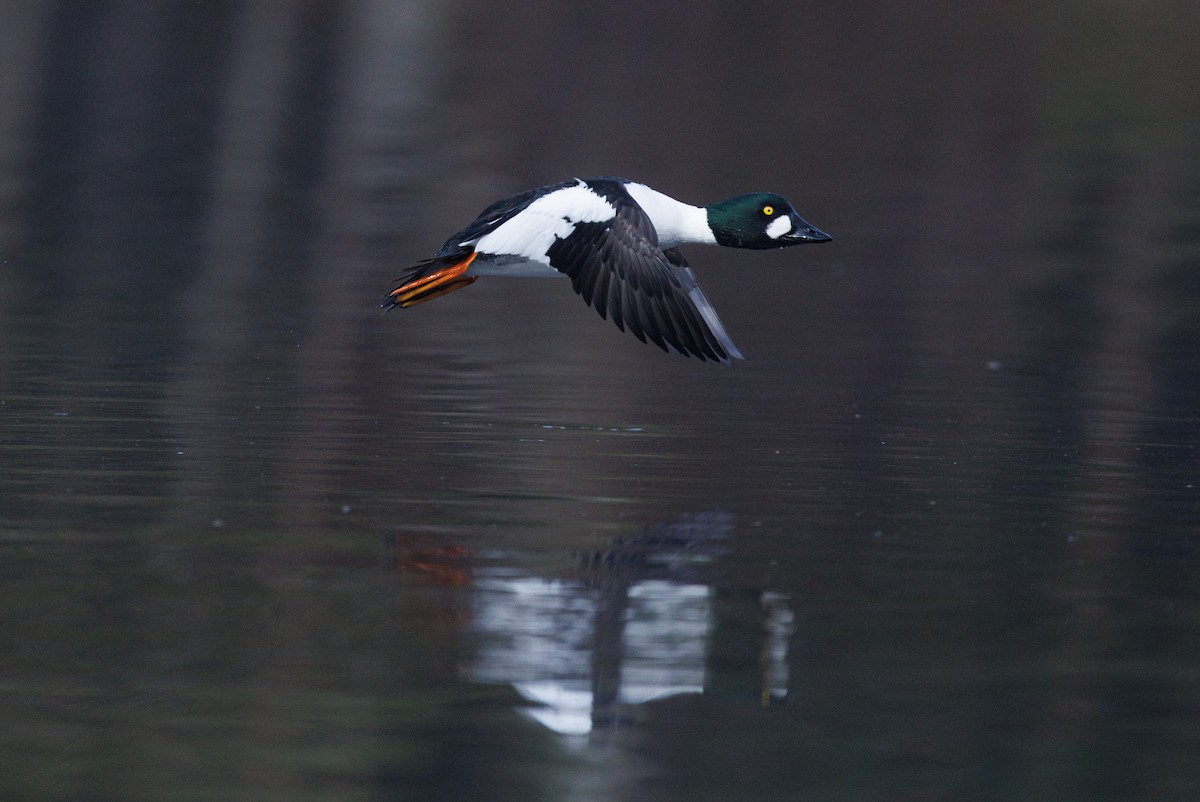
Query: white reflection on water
x=584, y=651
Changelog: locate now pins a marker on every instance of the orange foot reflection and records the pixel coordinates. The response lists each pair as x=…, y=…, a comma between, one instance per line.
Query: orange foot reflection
x=446, y=565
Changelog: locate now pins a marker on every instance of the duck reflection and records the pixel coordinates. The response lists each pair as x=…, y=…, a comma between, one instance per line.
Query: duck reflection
x=642, y=619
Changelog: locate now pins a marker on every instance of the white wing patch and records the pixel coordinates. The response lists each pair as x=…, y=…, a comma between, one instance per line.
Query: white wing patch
x=779, y=226
x=532, y=231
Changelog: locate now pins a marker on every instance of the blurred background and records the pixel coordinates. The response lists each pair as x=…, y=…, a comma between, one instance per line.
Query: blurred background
x=935, y=539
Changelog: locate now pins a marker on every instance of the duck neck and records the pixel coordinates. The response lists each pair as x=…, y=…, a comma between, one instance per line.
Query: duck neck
x=677, y=223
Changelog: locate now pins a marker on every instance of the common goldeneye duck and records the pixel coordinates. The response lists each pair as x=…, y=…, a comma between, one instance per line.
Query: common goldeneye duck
x=617, y=241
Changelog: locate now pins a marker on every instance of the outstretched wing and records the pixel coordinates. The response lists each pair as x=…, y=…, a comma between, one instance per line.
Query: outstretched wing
x=618, y=269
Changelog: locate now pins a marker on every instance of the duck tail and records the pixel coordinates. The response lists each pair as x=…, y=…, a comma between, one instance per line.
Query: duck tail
x=432, y=278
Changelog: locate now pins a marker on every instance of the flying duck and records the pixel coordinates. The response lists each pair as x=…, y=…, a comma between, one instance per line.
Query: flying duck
x=617, y=241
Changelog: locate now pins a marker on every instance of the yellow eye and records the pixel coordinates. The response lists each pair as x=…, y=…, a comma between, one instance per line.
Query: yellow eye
x=768, y=210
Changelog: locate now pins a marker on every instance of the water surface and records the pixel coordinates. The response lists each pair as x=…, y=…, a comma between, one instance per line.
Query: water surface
x=936, y=538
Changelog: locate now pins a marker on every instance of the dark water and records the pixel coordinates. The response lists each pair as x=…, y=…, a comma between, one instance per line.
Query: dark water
x=938, y=538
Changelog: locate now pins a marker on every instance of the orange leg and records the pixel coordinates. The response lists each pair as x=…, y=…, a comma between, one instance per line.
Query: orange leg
x=448, y=279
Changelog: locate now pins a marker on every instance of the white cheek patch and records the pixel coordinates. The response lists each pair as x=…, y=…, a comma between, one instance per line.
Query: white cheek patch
x=533, y=230
x=779, y=226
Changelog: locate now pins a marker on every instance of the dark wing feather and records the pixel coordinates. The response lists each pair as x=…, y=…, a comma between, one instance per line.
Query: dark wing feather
x=707, y=315
x=618, y=269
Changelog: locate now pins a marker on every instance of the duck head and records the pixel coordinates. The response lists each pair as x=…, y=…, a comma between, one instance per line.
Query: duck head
x=760, y=220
